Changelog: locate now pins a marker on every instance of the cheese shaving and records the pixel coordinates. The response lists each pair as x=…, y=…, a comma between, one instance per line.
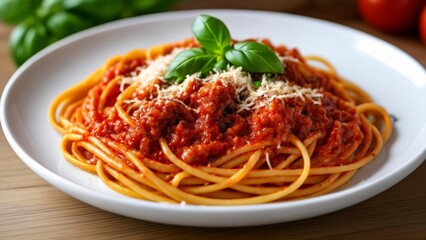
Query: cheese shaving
x=270, y=88
x=154, y=70
x=170, y=91
x=247, y=95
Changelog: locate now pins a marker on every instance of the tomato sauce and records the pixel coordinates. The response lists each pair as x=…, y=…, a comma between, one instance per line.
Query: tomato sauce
x=203, y=123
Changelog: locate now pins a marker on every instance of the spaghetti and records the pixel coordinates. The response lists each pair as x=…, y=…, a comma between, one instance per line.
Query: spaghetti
x=219, y=139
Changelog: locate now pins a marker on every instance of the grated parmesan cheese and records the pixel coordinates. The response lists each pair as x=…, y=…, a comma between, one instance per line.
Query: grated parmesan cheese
x=155, y=70
x=247, y=96
x=169, y=91
x=270, y=88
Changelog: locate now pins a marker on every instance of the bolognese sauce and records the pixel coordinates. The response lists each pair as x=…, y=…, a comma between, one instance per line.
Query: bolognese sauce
x=203, y=122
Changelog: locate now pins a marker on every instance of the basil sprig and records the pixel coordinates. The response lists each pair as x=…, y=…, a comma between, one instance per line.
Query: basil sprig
x=216, y=52
x=191, y=61
x=211, y=33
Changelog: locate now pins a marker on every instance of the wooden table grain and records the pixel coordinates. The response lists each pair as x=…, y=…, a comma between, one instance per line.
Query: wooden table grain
x=30, y=208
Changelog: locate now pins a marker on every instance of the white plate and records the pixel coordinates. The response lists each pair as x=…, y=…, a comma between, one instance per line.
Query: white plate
x=393, y=78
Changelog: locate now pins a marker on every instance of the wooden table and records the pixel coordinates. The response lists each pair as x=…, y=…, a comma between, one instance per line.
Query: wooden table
x=32, y=209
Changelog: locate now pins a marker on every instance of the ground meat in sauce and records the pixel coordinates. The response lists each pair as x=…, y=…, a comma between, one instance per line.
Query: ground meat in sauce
x=202, y=124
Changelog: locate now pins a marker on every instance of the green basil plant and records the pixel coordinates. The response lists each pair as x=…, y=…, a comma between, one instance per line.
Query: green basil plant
x=39, y=23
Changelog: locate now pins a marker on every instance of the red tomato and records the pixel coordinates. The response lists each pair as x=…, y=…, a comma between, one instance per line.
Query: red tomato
x=391, y=16
x=422, y=25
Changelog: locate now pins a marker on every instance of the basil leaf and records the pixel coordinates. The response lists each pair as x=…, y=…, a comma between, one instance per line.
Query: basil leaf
x=96, y=10
x=254, y=57
x=257, y=83
x=62, y=24
x=27, y=39
x=211, y=33
x=16, y=11
x=49, y=7
x=189, y=62
x=221, y=64
x=139, y=7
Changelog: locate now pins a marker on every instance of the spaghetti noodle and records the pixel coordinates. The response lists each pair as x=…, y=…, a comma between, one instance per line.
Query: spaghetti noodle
x=219, y=139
